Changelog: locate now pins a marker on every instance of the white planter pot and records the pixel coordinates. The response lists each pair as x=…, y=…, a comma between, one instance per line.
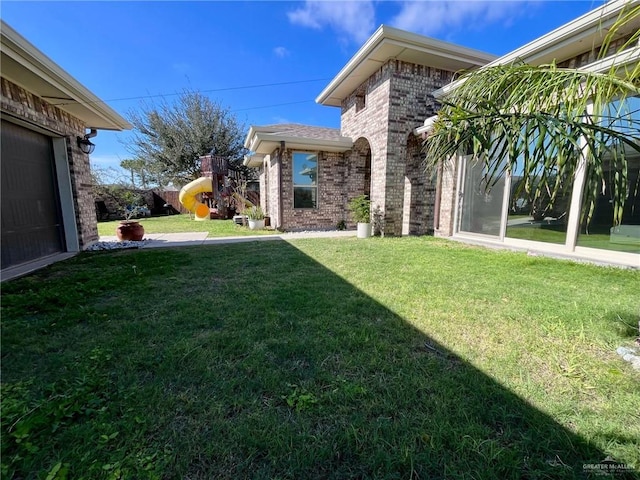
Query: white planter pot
x=256, y=224
x=364, y=230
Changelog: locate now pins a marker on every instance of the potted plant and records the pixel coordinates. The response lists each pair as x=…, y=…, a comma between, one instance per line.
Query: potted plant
x=255, y=216
x=132, y=207
x=360, y=208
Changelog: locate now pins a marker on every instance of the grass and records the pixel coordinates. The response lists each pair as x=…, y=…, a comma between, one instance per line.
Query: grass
x=185, y=223
x=385, y=358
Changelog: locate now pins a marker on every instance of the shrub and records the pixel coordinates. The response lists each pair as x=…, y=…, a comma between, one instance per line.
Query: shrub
x=360, y=208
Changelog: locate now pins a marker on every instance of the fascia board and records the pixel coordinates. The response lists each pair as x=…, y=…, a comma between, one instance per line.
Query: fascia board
x=249, y=138
x=625, y=58
x=37, y=63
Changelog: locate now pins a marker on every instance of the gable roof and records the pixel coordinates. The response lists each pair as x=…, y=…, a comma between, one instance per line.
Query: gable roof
x=26, y=66
x=263, y=140
x=391, y=43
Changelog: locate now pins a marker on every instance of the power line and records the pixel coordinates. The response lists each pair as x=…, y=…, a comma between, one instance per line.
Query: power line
x=272, y=106
x=244, y=87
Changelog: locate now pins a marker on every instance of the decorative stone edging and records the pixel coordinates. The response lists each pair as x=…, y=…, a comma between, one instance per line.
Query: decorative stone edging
x=99, y=246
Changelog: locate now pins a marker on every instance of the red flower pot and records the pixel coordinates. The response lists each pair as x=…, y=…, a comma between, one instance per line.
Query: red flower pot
x=129, y=230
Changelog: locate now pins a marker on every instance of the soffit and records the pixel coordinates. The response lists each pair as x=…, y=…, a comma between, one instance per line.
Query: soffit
x=26, y=66
x=265, y=144
x=263, y=140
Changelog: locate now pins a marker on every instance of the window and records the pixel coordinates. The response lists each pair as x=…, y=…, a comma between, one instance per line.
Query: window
x=361, y=99
x=601, y=231
x=538, y=218
x=361, y=102
x=305, y=180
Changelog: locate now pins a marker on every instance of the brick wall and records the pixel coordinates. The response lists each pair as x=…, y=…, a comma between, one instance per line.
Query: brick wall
x=28, y=107
x=419, y=192
x=448, y=175
x=333, y=189
x=272, y=182
x=397, y=99
x=369, y=123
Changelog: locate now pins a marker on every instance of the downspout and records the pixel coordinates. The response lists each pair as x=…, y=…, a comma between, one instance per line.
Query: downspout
x=280, y=206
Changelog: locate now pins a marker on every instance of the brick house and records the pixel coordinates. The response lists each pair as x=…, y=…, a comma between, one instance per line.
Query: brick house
x=48, y=210
x=308, y=174
x=388, y=93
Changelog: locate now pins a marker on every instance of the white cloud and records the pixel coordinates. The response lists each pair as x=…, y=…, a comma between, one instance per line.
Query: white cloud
x=281, y=52
x=430, y=18
x=354, y=20
x=279, y=120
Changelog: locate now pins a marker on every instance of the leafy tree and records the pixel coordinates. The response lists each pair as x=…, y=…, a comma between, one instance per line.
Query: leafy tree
x=543, y=122
x=169, y=137
x=138, y=172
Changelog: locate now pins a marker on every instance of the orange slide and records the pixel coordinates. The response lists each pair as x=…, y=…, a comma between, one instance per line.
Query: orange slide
x=188, y=197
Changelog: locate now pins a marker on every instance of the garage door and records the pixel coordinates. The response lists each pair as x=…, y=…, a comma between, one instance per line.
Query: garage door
x=31, y=218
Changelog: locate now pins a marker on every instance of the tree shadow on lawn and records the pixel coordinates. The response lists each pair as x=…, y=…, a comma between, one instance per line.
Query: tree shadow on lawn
x=255, y=361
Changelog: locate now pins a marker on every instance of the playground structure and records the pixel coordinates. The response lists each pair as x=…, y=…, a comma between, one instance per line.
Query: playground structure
x=219, y=193
x=189, y=201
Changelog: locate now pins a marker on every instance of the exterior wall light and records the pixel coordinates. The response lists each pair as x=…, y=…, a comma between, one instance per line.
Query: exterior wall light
x=85, y=144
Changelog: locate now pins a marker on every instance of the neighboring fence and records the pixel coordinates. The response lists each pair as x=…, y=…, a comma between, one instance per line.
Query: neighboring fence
x=160, y=198
x=156, y=199
x=167, y=197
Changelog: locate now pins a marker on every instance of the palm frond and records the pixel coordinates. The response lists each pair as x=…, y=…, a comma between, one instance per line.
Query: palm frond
x=541, y=121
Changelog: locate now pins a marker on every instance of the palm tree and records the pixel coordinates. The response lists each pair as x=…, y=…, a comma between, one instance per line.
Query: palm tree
x=546, y=122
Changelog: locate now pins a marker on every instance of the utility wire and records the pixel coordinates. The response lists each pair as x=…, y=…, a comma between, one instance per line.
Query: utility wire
x=271, y=106
x=244, y=87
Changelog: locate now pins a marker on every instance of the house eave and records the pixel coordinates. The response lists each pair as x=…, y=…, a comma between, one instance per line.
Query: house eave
x=391, y=43
x=569, y=40
x=426, y=127
x=265, y=143
x=26, y=66
x=253, y=161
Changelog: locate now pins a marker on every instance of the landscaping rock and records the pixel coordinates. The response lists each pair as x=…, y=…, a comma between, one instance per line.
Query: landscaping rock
x=99, y=246
x=631, y=355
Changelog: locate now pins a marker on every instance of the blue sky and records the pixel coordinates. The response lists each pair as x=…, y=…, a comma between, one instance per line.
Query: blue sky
x=284, y=53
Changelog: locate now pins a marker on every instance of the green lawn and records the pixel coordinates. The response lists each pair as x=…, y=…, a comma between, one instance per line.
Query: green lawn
x=185, y=223
x=318, y=359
